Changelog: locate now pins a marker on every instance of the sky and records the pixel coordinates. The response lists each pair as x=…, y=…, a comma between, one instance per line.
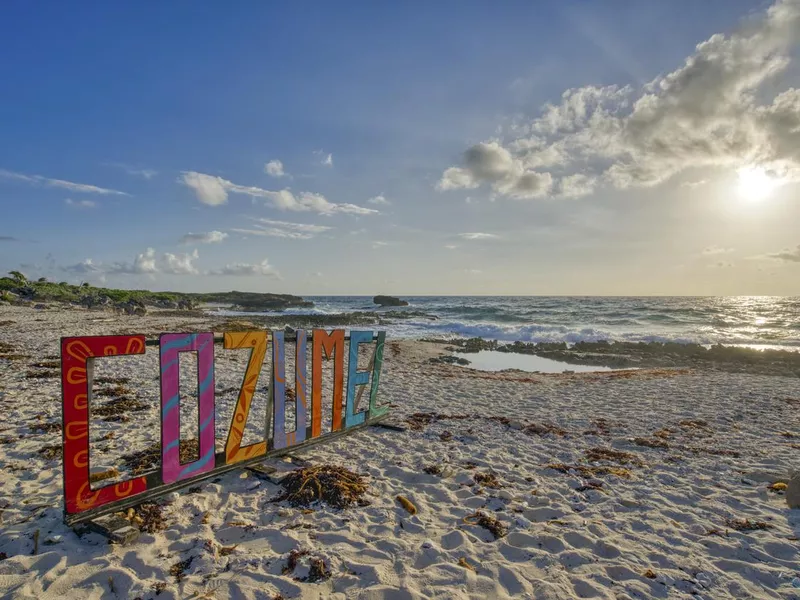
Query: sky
x=625, y=147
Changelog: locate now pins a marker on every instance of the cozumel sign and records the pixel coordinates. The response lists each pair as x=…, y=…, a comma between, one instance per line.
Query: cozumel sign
x=83, y=502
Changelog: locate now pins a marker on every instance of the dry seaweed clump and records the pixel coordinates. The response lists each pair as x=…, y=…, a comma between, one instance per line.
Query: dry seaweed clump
x=336, y=486
x=543, y=429
x=588, y=472
x=495, y=527
x=611, y=455
x=178, y=569
x=151, y=517
x=487, y=480
x=143, y=460
x=45, y=427
x=651, y=442
x=147, y=516
x=317, y=569
x=747, y=525
x=42, y=374
x=50, y=452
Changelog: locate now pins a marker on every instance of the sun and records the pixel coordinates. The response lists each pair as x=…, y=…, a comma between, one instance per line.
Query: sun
x=755, y=184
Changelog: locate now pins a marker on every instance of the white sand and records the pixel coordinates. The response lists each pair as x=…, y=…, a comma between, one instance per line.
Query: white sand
x=561, y=542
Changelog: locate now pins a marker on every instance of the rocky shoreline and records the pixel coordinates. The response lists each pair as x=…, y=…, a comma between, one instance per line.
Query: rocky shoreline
x=625, y=355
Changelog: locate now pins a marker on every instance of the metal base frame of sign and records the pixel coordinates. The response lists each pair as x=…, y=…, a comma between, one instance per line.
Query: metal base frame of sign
x=390, y=426
x=91, y=518
x=118, y=530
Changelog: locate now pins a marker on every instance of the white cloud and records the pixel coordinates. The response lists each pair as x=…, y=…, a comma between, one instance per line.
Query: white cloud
x=275, y=232
x=146, y=263
x=210, y=237
x=274, y=168
x=490, y=162
x=305, y=227
x=214, y=191
x=694, y=184
x=180, y=264
x=788, y=255
x=379, y=199
x=209, y=189
x=283, y=229
x=80, y=203
x=451, y=247
x=715, y=250
x=473, y=271
x=714, y=111
x=85, y=267
x=263, y=269
x=146, y=173
x=325, y=159
x=378, y=244
x=59, y=183
x=143, y=264
x=577, y=185
x=478, y=236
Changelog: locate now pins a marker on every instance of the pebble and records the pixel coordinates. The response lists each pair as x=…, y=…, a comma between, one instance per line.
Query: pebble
x=796, y=582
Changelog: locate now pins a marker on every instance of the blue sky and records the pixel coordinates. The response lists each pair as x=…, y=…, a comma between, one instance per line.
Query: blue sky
x=407, y=148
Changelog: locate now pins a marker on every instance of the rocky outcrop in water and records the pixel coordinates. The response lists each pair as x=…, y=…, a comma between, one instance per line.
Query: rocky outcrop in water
x=253, y=301
x=389, y=301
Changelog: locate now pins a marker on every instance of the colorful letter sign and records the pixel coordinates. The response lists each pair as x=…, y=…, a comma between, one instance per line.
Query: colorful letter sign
x=83, y=502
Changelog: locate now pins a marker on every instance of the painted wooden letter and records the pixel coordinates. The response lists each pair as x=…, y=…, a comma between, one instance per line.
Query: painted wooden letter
x=355, y=377
x=280, y=437
x=171, y=345
x=333, y=345
x=257, y=342
x=374, y=409
x=278, y=390
x=77, y=355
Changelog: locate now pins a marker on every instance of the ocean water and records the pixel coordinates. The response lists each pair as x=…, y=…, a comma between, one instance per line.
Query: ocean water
x=755, y=321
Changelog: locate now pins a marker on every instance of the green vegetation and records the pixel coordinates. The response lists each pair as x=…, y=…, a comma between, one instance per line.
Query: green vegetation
x=17, y=287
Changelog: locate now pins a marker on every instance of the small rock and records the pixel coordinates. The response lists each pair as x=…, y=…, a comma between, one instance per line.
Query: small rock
x=796, y=582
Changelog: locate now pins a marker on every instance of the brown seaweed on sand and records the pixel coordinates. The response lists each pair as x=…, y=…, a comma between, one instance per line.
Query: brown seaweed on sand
x=747, y=525
x=487, y=480
x=178, y=569
x=651, y=442
x=50, y=452
x=588, y=472
x=143, y=460
x=480, y=518
x=611, y=455
x=317, y=569
x=336, y=486
x=543, y=429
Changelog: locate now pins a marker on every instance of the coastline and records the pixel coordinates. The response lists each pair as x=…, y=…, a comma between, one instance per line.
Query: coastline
x=647, y=521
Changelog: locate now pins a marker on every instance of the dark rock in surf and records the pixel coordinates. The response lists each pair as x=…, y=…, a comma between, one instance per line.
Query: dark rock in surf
x=389, y=301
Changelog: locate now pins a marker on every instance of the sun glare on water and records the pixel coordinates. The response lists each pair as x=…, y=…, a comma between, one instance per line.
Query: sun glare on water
x=755, y=184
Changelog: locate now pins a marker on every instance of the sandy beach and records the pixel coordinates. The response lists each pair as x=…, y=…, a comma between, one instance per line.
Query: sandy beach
x=651, y=483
